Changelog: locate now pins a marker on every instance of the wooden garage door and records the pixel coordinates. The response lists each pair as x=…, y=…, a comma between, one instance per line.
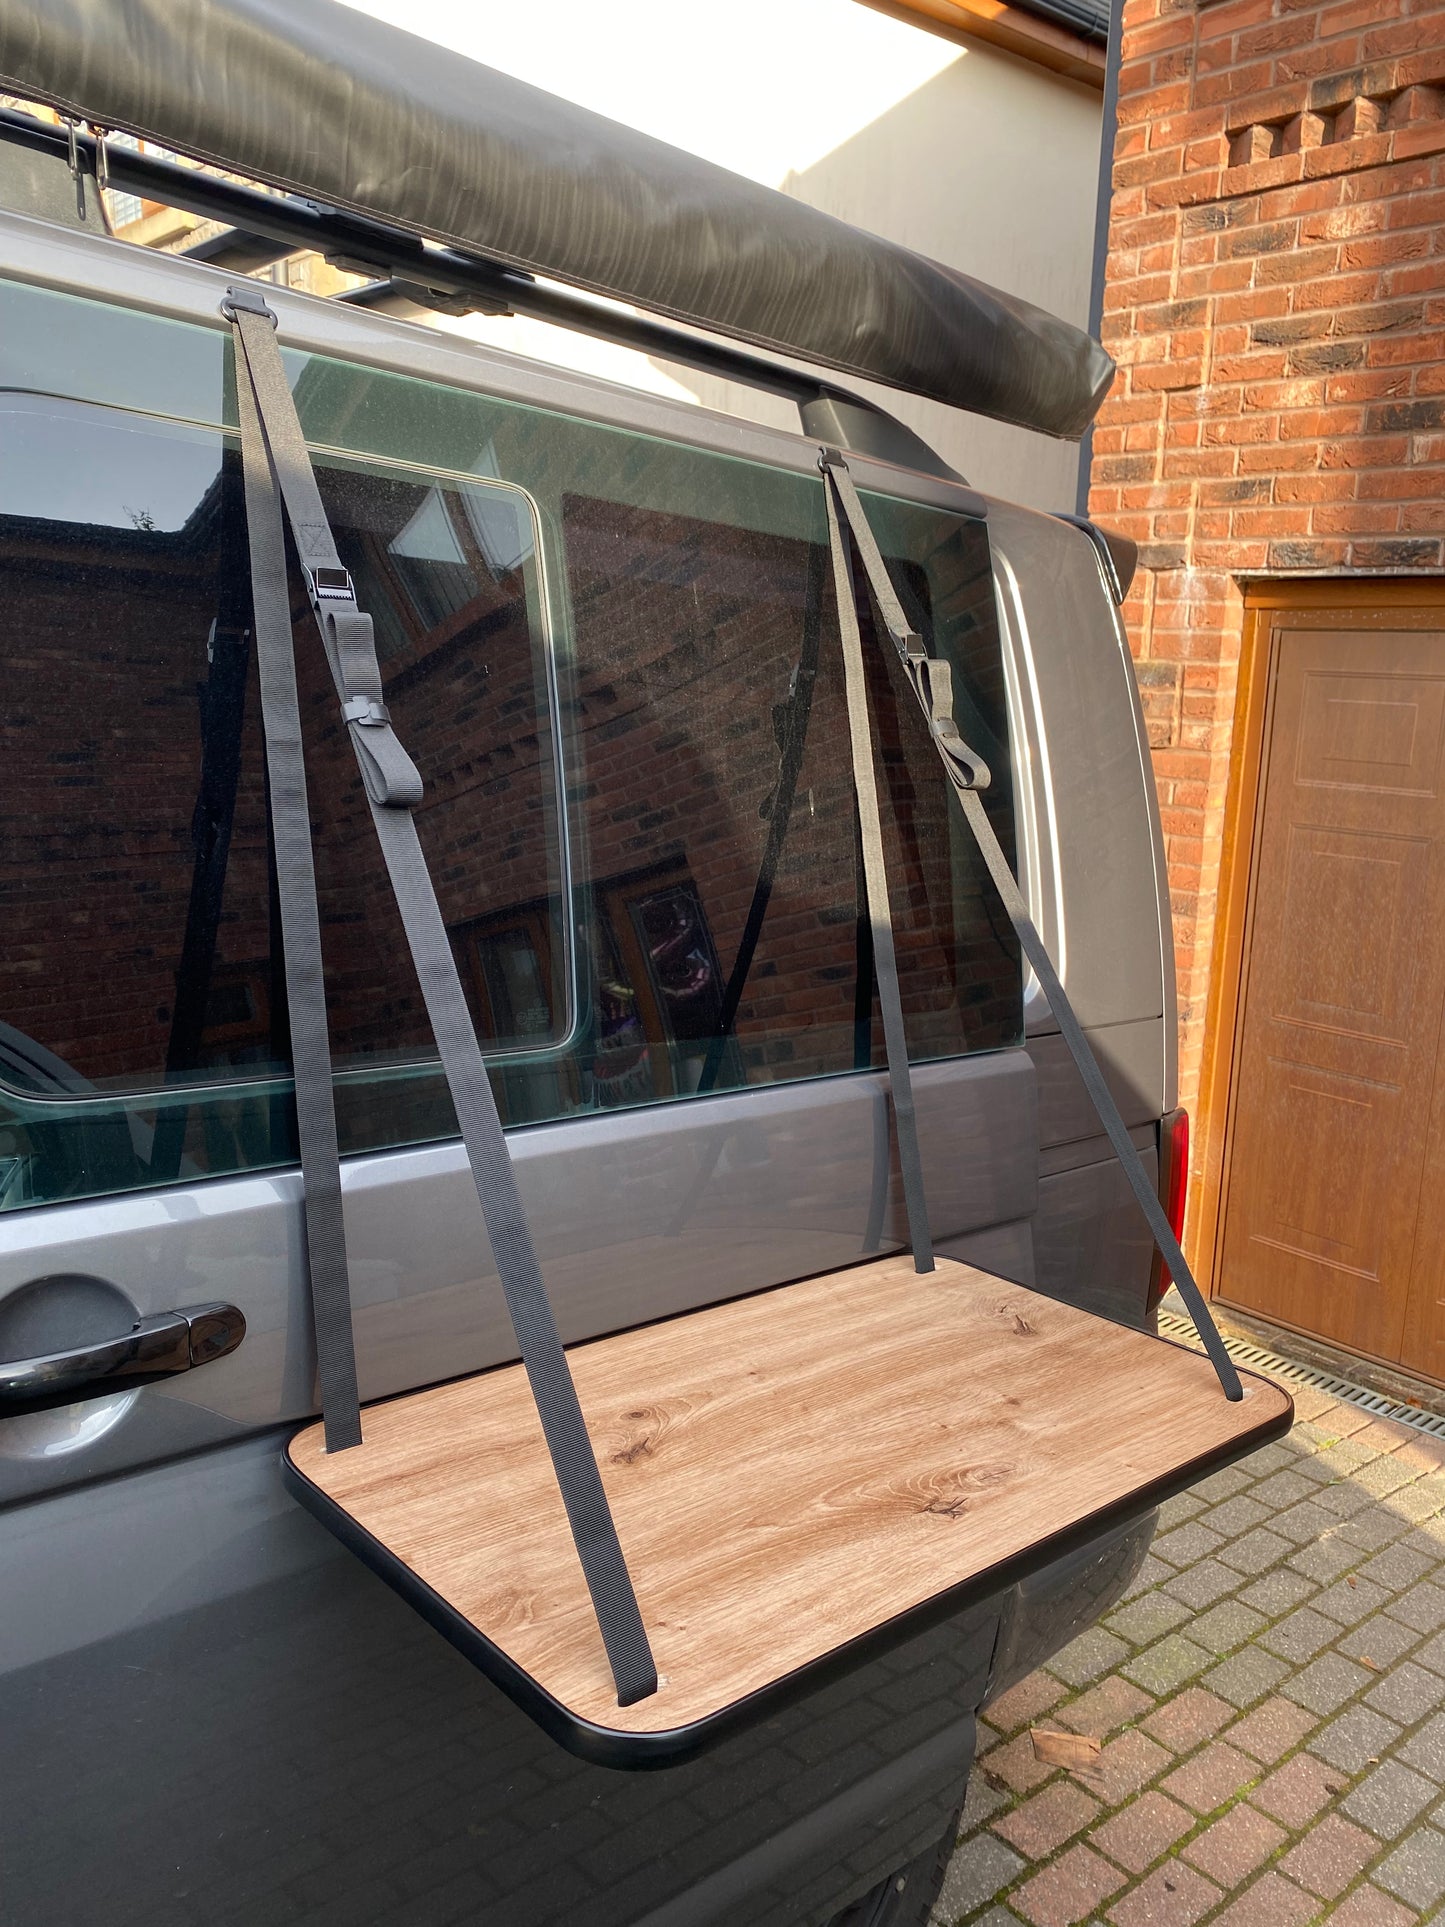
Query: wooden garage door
x=1334, y=1207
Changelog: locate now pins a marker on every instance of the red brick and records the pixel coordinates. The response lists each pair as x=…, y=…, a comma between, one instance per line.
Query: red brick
x=1209, y=1779
x=1142, y=1831
x=1329, y=1856
x=1235, y=1845
x=1297, y=1792
x=1069, y=1890
x=1269, y=1732
x=1368, y=1907
x=1172, y=1896
x=1271, y=1902
x=1045, y=1822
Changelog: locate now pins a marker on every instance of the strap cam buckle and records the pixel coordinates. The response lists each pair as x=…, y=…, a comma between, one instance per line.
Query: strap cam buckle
x=366, y=711
x=330, y=584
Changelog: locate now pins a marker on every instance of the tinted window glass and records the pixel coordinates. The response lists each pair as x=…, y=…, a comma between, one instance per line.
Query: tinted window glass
x=610, y=655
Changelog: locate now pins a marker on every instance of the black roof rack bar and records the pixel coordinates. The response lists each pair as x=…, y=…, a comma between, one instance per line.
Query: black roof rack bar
x=237, y=250
x=292, y=223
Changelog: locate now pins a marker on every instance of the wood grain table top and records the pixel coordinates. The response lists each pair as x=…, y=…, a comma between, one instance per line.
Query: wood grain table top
x=788, y=1472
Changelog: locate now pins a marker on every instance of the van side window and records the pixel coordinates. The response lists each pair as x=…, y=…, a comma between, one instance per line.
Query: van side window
x=141, y=947
x=613, y=657
x=691, y=653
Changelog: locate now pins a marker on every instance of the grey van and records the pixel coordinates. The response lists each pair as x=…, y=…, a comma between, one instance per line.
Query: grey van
x=589, y=605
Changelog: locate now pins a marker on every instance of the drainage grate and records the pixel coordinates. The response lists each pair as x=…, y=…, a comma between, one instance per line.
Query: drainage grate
x=1261, y=1359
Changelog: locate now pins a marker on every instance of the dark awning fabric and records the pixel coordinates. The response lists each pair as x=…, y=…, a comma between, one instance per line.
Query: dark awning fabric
x=314, y=97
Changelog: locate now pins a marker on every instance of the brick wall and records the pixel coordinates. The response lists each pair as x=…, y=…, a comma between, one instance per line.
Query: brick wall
x=1276, y=304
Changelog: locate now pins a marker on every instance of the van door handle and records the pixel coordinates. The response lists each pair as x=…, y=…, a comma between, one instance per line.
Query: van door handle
x=174, y=1341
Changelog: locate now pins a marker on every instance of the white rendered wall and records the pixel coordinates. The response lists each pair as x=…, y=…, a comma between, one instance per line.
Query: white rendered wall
x=972, y=156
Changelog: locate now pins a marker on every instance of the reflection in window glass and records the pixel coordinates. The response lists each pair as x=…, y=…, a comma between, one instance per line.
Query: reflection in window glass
x=707, y=935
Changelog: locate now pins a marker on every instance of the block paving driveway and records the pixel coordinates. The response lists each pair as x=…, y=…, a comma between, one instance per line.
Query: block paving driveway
x=1270, y=1695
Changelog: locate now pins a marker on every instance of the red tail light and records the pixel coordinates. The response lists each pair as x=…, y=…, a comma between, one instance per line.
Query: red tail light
x=1173, y=1190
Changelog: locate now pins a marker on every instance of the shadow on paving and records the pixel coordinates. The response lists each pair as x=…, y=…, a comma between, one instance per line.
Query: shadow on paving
x=1269, y=1694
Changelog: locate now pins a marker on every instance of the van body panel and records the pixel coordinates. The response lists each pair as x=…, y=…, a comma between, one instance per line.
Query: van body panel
x=297, y=1745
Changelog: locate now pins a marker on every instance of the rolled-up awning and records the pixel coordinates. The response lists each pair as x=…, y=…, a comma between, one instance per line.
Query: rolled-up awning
x=313, y=97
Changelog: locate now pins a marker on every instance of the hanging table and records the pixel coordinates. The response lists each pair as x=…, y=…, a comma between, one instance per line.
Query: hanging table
x=796, y=1476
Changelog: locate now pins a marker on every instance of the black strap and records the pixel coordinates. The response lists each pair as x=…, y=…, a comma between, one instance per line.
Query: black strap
x=790, y=722
x=932, y=683
x=276, y=452
x=875, y=871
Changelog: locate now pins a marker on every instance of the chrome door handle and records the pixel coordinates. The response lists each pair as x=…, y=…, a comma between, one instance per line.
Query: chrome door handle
x=175, y=1341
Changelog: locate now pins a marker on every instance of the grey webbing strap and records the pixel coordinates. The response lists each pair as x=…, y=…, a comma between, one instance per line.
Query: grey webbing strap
x=300, y=944
x=393, y=788
x=932, y=683
x=875, y=871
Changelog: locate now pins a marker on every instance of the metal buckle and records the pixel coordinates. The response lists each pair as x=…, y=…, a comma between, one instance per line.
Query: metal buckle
x=366, y=711
x=330, y=584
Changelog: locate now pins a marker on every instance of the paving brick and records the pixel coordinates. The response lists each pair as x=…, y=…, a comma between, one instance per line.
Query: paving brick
x=1181, y=1508
x=1415, y=1871
x=1209, y=1779
x=981, y=1803
x=1235, y=1845
x=1153, y=1572
x=1014, y=1763
x=1236, y=1517
x=1407, y=1693
x=1161, y=1668
x=1068, y=1890
x=1329, y=1857
x=1042, y=1824
x=1432, y=1654
x=1382, y=1477
x=1148, y=1618
x=1200, y=1585
x=1414, y=1502
x=1024, y=1703
x=1271, y=1730
x=1283, y=1490
x=1084, y=1658
x=1256, y=1551
x=1114, y=1702
x=1368, y=1907
x=1326, y=1683
x=1186, y=1544
x=1300, y=1635
x=1351, y=1600
x=1344, y=1498
x=1272, y=1901
x=1172, y=1896
x=980, y=1869
x=1397, y=1568
x=1423, y=1607
x=1388, y=1798
x=1356, y=1738
x=1188, y=1719
x=1297, y=1791
x=1303, y=1522
x=1373, y=1529
x=1327, y=1557
x=1277, y=1592
x=1425, y=1750
x=1246, y=1676
x=1138, y=1835
x=1378, y=1642
x=1226, y=1626
x=1126, y=1764
x=1223, y=1484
